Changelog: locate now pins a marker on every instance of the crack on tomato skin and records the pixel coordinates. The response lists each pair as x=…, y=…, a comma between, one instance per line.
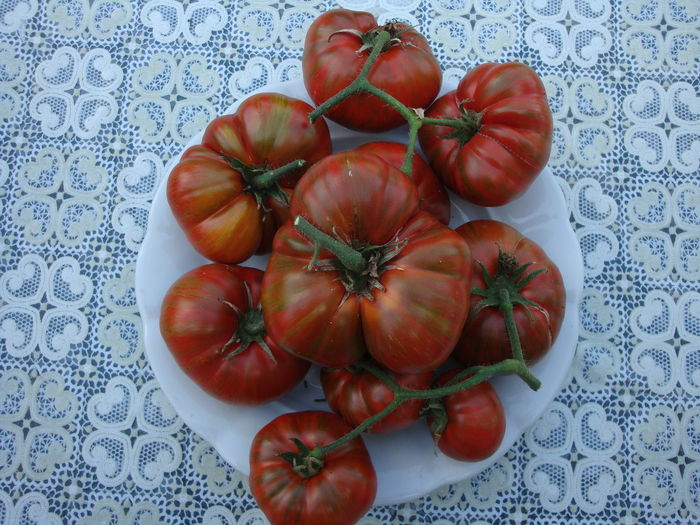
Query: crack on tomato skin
x=509, y=150
x=369, y=38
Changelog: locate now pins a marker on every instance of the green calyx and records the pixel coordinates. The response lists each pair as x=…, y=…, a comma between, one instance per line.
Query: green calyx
x=363, y=282
x=250, y=329
x=261, y=181
x=503, y=292
x=251, y=326
x=505, y=285
x=360, y=264
x=466, y=126
x=304, y=462
x=435, y=410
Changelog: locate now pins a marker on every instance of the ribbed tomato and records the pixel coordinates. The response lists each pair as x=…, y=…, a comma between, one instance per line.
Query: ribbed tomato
x=356, y=396
x=405, y=295
x=220, y=191
x=502, y=250
x=468, y=425
x=504, y=138
x=211, y=322
x=337, y=489
x=336, y=48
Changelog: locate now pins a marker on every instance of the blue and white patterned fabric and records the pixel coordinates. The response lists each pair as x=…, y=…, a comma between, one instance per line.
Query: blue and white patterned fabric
x=96, y=97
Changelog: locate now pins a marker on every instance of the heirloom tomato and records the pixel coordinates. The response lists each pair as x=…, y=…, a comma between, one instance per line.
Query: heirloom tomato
x=504, y=137
x=468, y=425
x=499, y=254
x=211, y=322
x=336, y=48
x=359, y=395
x=400, y=289
x=431, y=194
x=293, y=488
x=221, y=192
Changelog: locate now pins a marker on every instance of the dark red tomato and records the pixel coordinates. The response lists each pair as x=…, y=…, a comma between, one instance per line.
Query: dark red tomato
x=505, y=139
x=357, y=396
x=484, y=340
x=225, y=209
x=336, y=48
x=407, y=303
x=340, y=493
x=431, y=194
x=475, y=422
x=211, y=321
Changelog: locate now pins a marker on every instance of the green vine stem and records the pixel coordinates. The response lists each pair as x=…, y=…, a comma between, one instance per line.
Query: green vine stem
x=466, y=379
x=414, y=116
x=259, y=178
x=270, y=177
x=349, y=257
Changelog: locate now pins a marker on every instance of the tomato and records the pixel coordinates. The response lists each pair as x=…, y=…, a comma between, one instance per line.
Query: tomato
x=471, y=423
x=356, y=396
x=485, y=340
x=222, y=205
x=340, y=493
x=432, y=194
x=204, y=313
x=505, y=138
x=407, y=298
x=336, y=48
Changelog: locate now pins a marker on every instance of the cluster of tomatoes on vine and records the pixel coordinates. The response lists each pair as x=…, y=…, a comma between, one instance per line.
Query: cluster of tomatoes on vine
x=365, y=277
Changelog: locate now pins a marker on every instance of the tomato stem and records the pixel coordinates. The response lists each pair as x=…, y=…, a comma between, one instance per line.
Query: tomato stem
x=356, y=86
x=476, y=375
x=503, y=291
x=506, y=308
x=251, y=329
x=413, y=116
x=350, y=258
x=304, y=462
x=267, y=179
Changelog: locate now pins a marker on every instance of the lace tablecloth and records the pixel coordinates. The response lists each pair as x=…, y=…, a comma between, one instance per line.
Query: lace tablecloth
x=95, y=98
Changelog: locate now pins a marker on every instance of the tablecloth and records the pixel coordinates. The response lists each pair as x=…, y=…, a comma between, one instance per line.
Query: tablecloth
x=97, y=96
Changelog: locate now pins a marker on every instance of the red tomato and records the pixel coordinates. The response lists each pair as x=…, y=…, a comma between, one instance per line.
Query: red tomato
x=200, y=324
x=475, y=422
x=432, y=195
x=216, y=202
x=340, y=493
x=408, y=302
x=356, y=396
x=506, y=139
x=484, y=340
x=336, y=49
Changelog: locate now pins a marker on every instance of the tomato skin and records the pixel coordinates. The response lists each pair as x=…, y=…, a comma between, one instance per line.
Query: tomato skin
x=512, y=144
x=210, y=199
x=358, y=396
x=484, y=339
x=195, y=324
x=411, y=321
x=409, y=71
x=432, y=194
x=476, y=421
x=339, y=494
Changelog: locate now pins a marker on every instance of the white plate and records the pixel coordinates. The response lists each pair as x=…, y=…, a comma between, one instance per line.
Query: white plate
x=406, y=464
